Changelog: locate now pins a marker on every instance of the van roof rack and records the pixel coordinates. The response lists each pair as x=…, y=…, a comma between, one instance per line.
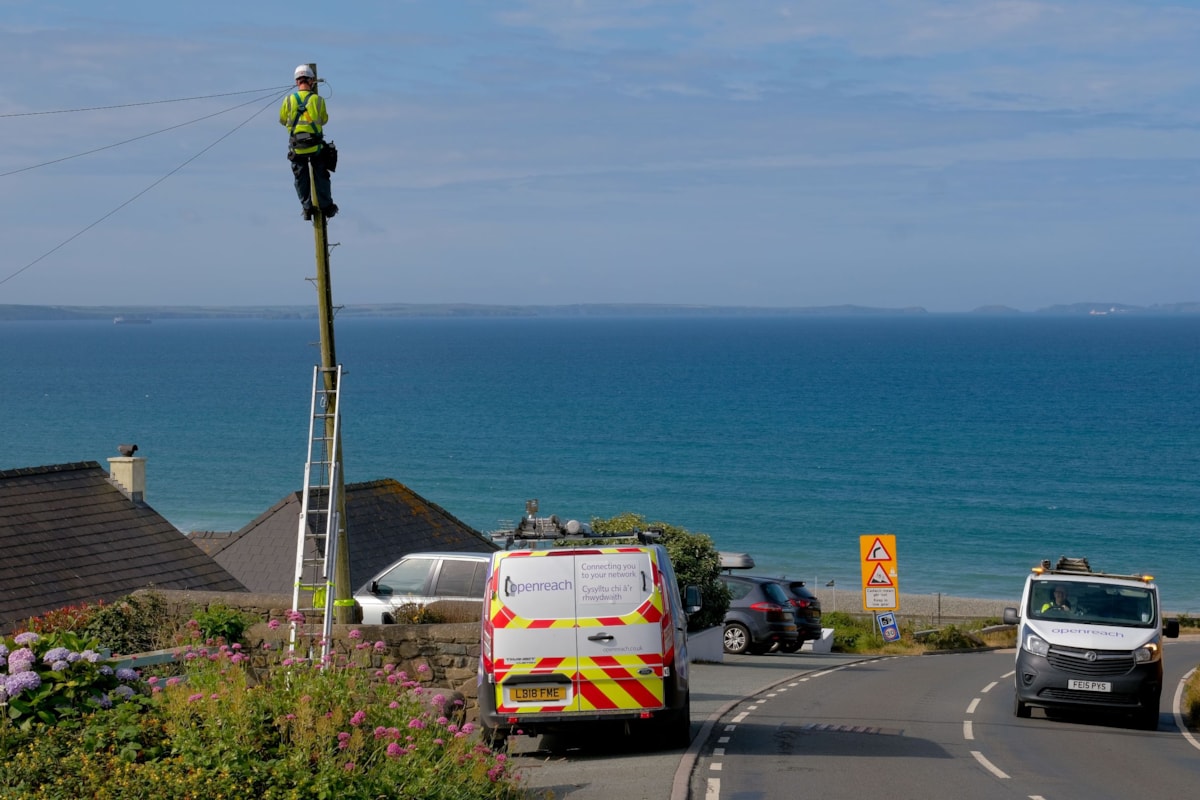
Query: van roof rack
x=1080, y=566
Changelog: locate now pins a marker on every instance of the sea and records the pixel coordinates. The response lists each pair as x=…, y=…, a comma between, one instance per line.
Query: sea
x=984, y=444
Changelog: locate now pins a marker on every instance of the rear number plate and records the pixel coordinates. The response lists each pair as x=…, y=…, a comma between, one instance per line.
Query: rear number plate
x=1090, y=686
x=537, y=694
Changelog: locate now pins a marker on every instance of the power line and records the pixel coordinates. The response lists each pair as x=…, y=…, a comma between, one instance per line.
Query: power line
x=134, y=139
x=79, y=233
x=146, y=103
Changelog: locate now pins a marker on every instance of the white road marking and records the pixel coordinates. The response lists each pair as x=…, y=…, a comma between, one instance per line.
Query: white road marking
x=968, y=734
x=713, y=790
x=730, y=728
x=989, y=687
x=718, y=751
x=741, y=716
x=989, y=766
x=723, y=740
x=1036, y=797
x=1177, y=704
x=974, y=704
x=716, y=767
x=1008, y=674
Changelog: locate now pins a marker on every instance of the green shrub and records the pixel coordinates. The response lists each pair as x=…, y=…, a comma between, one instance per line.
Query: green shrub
x=696, y=560
x=952, y=638
x=133, y=624
x=302, y=729
x=220, y=622
x=50, y=678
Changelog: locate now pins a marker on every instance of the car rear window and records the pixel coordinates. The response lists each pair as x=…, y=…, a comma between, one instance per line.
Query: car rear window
x=776, y=593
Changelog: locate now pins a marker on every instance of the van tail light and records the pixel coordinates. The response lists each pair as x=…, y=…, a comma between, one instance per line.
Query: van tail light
x=800, y=602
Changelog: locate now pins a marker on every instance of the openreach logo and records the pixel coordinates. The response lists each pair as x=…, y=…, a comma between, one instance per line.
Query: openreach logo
x=513, y=588
x=1089, y=632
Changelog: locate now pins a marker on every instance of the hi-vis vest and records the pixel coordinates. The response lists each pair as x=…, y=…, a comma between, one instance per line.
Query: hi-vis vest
x=303, y=113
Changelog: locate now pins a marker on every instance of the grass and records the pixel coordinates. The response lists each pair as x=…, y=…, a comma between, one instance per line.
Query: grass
x=857, y=634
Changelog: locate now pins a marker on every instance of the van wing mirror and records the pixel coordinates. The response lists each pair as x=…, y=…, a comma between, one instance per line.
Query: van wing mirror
x=1010, y=616
x=1171, y=628
x=693, y=601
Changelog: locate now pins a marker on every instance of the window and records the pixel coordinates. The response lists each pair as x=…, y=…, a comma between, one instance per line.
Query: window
x=407, y=577
x=461, y=579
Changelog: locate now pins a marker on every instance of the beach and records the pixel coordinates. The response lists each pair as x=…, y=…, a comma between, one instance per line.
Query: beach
x=932, y=609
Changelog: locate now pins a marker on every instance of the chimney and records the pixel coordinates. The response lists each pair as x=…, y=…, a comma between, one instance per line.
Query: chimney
x=129, y=474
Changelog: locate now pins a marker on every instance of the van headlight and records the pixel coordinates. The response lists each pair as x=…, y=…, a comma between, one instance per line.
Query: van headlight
x=1147, y=653
x=1036, y=644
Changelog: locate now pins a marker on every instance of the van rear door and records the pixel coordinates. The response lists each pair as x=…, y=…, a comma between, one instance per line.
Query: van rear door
x=577, y=630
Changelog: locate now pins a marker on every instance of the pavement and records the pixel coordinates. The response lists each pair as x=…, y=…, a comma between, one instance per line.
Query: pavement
x=601, y=771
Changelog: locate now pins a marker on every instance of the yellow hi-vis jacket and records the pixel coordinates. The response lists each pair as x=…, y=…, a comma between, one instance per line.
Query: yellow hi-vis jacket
x=303, y=113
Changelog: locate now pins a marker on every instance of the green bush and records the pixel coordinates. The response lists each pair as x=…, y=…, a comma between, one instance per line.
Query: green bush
x=133, y=624
x=220, y=622
x=335, y=728
x=696, y=560
x=45, y=679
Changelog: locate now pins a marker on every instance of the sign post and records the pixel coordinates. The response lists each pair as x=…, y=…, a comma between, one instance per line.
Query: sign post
x=881, y=586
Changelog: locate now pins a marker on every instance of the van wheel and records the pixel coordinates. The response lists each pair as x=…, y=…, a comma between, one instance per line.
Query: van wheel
x=737, y=638
x=1021, y=709
x=1146, y=719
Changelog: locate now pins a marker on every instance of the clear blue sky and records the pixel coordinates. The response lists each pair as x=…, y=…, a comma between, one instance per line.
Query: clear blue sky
x=916, y=153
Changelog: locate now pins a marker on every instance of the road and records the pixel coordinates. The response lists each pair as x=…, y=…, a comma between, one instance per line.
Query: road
x=938, y=726
x=843, y=727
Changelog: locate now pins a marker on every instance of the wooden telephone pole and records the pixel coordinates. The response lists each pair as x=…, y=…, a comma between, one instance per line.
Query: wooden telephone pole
x=343, y=601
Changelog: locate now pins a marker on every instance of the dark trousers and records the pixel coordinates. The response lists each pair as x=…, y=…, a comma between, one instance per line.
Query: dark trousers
x=320, y=173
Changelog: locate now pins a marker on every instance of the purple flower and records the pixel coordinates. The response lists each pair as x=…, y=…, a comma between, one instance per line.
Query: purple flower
x=355, y=634
x=124, y=691
x=29, y=637
x=126, y=674
x=416, y=723
x=358, y=718
x=380, y=646
x=3, y=649
x=21, y=681
x=90, y=656
x=273, y=624
x=21, y=661
x=394, y=750
x=56, y=654
x=60, y=666
x=196, y=697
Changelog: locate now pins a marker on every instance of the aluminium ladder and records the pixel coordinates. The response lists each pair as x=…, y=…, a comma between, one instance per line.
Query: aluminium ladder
x=317, y=535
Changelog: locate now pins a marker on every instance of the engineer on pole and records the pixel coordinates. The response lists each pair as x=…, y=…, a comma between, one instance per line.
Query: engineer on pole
x=303, y=114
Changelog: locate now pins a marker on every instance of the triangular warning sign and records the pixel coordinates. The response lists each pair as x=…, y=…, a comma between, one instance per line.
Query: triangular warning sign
x=878, y=552
x=879, y=577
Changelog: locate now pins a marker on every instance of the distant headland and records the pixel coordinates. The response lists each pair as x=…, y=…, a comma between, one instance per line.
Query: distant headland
x=9, y=313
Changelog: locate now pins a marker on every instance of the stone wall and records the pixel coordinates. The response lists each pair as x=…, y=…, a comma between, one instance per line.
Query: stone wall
x=443, y=656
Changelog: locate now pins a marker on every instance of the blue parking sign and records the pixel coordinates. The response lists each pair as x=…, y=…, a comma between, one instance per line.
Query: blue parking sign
x=888, y=626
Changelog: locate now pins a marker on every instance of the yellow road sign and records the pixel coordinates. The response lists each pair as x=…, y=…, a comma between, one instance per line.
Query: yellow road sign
x=880, y=582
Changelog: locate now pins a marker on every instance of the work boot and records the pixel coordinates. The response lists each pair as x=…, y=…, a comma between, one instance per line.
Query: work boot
x=330, y=211
x=306, y=213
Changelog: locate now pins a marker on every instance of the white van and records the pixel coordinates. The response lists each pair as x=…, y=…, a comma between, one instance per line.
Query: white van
x=572, y=636
x=1089, y=641
x=421, y=579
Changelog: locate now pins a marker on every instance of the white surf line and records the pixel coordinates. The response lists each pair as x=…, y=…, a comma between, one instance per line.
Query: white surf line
x=989, y=766
x=974, y=704
x=968, y=732
x=1175, y=706
x=713, y=790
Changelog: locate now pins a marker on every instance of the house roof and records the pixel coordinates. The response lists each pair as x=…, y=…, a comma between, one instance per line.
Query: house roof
x=384, y=521
x=69, y=535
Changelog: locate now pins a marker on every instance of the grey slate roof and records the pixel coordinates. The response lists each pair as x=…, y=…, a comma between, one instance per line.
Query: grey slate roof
x=68, y=536
x=384, y=521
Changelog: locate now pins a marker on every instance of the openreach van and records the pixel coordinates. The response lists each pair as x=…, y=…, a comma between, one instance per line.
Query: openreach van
x=1090, y=641
x=581, y=635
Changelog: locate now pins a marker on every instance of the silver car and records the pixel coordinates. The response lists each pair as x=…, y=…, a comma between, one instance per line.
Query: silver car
x=419, y=579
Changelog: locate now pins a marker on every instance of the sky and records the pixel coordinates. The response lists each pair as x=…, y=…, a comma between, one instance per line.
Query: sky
x=946, y=155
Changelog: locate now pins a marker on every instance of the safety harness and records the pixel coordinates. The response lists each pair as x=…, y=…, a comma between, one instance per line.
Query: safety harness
x=304, y=139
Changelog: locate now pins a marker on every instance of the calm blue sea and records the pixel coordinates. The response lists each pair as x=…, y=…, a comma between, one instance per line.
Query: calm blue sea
x=983, y=443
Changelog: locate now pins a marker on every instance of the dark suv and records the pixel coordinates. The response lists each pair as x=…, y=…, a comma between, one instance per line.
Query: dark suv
x=808, y=613
x=760, y=616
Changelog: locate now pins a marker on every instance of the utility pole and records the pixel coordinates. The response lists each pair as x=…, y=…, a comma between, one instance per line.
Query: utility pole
x=343, y=602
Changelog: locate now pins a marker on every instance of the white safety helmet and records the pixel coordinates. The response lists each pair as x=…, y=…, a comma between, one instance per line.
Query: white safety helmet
x=303, y=71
